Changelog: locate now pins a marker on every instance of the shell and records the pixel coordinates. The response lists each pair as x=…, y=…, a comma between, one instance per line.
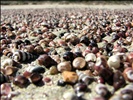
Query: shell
x=64, y=66
x=20, y=81
x=70, y=77
x=90, y=57
x=127, y=94
x=114, y=61
x=7, y=53
x=3, y=78
x=80, y=88
x=46, y=60
x=7, y=62
x=20, y=56
x=101, y=89
x=128, y=74
x=35, y=78
x=118, y=80
x=79, y=63
x=9, y=70
x=35, y=69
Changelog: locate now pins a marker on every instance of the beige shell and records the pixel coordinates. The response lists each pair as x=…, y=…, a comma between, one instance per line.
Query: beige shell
x=114, y=61
x=64, y=66
x=79, y=63
x=90, y=57
x=70, y=77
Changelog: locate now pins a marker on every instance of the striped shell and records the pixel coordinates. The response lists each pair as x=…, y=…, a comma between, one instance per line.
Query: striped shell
x=21, y=56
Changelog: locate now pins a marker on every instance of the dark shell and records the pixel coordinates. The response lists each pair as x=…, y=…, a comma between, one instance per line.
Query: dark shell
x=61, y=83
x=46, y=60
x=3, y=78
x=38, y=69
x=20, y=81
x=80, y=87
x=35, y=78
x=69, y=56
x=84, y=40
x=118, y=80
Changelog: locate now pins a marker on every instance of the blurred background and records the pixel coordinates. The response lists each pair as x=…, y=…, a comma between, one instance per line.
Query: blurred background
x=88, y=2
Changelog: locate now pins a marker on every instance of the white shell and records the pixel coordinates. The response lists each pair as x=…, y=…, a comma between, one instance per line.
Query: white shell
x=90, y=57
x=114, y=61
x=7, y=62
x=64, y=66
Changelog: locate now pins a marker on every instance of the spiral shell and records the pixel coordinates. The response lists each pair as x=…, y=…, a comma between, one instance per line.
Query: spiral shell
x=84, y=77
x=90, y=57
x=79, y=63
x=20, y=56
x=7, y=53
x=128, y=74
x=64, y=66
x=101, y=89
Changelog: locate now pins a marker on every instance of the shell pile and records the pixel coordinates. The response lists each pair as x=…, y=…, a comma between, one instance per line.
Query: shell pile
x=89, y=50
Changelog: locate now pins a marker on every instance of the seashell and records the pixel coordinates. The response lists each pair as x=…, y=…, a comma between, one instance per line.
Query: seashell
x=84, y=40
x=46, y=79
x=5, y=89
x=35, y=78
x=126, y=94
x=27, y=74
x=103, y=71
x=128, y=74
x=90, y=66
x=29, y=48
x=20, y=56
x=46, y=60
x=79, y=63
x=114, y=61
x=98, y=98
x=56, y=58
x=9, y=70
x=130, y=57
x=3, y=78
x=116, y=97
x=7, y=53
x=82, y=77
x=101, y=90
x=80, y=88
x=20, y=81
x=100, y=80
x=64, y=66
x=53, y=70
x=35, y=69
x=70, y=77
x=5, y=41
x=69, y=56
x=38, y=50
x=61, y=83
x=118, y=80
x=7, y=62
x=90, y=57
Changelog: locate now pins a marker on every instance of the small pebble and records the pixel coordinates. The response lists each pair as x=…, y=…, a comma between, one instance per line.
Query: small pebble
x=53, y=70
x=70, y=77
